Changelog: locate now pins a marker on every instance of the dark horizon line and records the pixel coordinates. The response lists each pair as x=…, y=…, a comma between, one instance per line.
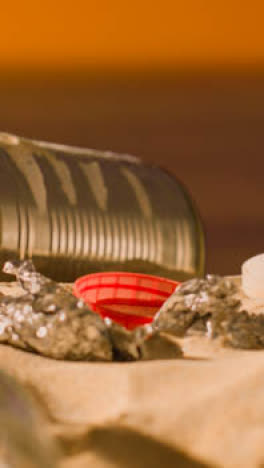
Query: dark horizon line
x=101, y=72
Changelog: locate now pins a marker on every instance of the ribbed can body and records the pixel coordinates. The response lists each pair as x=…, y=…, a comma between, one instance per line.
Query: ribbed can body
x=76, y=211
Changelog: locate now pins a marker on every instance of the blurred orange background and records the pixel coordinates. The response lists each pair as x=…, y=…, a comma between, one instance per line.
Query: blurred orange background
x=179, y=84
x=124, y=34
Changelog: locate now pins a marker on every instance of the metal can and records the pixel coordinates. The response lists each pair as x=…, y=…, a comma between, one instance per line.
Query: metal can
x=75, y=211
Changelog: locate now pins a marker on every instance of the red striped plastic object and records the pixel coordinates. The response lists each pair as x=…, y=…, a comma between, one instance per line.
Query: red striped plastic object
x=130, y=299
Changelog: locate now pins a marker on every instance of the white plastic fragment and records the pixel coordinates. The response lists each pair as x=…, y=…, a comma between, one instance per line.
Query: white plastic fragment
x=253, y=277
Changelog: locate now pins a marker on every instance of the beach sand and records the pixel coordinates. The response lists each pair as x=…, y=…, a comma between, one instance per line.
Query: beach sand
x=206, y=410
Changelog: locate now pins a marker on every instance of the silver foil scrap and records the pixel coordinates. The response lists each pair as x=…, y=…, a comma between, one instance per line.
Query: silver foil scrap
x=194, y=303
x=211, y=306
x=49, y=320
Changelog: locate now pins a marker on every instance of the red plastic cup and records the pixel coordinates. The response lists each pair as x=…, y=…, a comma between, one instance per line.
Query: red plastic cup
x=130, y=299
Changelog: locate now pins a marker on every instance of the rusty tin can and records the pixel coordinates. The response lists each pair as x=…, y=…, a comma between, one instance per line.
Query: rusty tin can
x=76, y=211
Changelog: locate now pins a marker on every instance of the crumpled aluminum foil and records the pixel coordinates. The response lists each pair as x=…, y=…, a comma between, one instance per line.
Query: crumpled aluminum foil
x=49, y=320
x=210, y=306
x=194, y=302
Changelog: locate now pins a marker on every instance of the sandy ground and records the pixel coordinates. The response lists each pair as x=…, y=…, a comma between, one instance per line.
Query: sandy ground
x=206, y=410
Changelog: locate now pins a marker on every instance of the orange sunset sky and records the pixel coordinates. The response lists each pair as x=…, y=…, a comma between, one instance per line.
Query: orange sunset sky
x=131, y=33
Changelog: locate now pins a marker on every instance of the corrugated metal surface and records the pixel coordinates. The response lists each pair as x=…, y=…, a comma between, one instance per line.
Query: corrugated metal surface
x=74, y=211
